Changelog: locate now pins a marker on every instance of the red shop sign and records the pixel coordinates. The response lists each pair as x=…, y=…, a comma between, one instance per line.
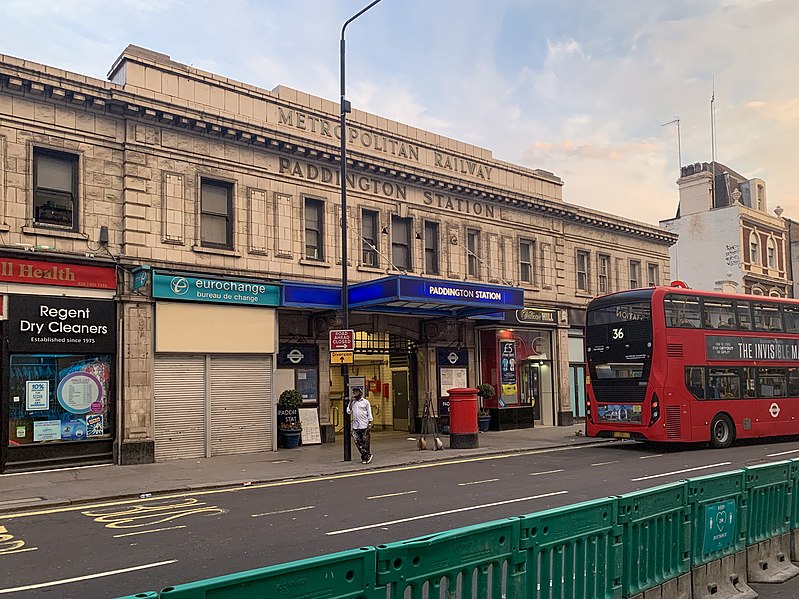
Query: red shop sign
x=36, y=272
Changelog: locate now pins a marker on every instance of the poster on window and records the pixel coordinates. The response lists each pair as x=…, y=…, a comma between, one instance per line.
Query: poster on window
x=37, y=395
x=507, y=361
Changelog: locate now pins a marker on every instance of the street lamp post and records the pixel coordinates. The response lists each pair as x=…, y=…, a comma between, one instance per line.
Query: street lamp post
x=345, y=307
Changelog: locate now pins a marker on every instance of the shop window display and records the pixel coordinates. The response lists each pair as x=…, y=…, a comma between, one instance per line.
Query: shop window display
x=60, y=398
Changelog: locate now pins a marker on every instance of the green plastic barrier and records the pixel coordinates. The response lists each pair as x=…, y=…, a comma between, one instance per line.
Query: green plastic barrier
x=656, y=535
x=572, y=551
x=718, y=516
x=344, y=575
x=795, y=496
x=769, y=491
x=479, y=559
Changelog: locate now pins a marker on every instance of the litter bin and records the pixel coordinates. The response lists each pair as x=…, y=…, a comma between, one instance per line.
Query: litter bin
x=463, y=418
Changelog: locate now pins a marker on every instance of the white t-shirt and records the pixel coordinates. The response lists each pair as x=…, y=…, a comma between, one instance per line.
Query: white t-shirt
x=361, y=411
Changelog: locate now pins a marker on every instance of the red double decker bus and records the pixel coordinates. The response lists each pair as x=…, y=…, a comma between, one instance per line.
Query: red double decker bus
x=682, y=365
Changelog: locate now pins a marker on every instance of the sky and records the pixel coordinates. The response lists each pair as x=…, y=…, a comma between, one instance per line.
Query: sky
x=578, y=88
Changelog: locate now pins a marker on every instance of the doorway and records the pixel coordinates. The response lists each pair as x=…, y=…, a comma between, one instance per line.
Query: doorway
x=531, y=387
x=577, y=390
x=400, y=404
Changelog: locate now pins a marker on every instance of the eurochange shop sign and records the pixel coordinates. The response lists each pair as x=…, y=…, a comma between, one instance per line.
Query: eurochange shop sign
x=214, y=290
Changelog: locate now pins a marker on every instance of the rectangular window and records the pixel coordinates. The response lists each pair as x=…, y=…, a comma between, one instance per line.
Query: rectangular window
x=695, y=381
x=718, y=314
x=772, y=381
x=790, y=315
x=526, y=261
x=603, y=273
x=55, y=189
x=744, y=311
x=635, y=274
x=652, y=275
x=314, y=229
x=767, y=317
x=682, y=311
x=216, y=214
x=369, y=222
x=473, y=251
x=724, y=383
x=583, y=271
x=431, y=252
x=401, y=243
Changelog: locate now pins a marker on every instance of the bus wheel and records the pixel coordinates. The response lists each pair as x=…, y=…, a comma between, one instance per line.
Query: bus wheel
x=722, y=431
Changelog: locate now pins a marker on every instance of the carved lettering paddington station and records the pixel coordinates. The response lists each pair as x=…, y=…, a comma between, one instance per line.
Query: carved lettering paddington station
x=462, y=166
x=464, y=206
x=382, y=188
x=311, y=172
x=356, y=136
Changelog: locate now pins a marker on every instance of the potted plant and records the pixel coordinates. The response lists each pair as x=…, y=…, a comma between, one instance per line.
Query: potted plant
x=289, y=427
x=484, y=391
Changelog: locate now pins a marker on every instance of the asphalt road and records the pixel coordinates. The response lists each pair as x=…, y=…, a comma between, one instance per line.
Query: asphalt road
x=124, y=547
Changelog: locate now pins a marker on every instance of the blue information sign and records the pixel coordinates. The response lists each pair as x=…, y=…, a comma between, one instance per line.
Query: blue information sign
x=216, y=290
x=719, y=526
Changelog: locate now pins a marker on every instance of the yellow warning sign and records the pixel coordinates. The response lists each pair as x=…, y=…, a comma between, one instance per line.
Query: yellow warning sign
x=342, y=357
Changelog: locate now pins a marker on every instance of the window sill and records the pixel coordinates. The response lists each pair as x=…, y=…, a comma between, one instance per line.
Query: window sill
x=46, y=232
x=216, y=251
x=4, y=228
x=372, y=269
x=317, y=263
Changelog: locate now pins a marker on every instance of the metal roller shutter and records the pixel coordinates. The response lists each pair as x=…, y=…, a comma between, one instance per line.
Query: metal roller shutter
x=179, y=411
x=241, y=404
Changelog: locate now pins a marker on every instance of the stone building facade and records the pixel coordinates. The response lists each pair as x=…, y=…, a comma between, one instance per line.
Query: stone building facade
x=728, y=239
x=216, y=205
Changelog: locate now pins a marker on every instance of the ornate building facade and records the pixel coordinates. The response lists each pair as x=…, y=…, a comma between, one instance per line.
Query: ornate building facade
x=171, y=261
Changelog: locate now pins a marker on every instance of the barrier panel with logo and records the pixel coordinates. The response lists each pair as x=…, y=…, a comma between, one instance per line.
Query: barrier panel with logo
x=718, y=516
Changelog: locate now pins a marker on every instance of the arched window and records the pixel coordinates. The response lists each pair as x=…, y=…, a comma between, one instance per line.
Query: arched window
x=771, y=253
x=754, y=248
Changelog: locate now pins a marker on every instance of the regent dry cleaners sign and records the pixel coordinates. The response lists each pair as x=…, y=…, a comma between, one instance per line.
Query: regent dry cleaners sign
x=216, y=290
x=55, y=324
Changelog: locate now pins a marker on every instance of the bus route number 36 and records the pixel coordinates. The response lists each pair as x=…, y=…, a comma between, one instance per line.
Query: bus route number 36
x=618, y=334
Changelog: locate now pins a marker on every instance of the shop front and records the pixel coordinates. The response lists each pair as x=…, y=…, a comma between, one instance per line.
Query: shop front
x=430, y=344
x=58, y=364
x=215, y=342
x=517, y=357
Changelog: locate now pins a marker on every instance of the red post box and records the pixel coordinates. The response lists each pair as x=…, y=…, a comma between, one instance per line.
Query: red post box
x=463, y=418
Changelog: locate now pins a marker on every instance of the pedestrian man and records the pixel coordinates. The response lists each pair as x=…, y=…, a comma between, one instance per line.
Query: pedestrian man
x=361, y=411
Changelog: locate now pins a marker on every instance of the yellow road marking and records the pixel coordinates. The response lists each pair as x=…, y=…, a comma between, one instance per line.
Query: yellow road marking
x=9, y=545
x=302, y=481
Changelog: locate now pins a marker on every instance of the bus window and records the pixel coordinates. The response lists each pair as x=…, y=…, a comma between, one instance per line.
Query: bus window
x=767, y=317
x=744, y=315
x=793, y=382
x=772, y=382
x=748, y=382
x=695, y=381
x=718, y=314
x=682, y=311
x=724, y=383
x=790, y=316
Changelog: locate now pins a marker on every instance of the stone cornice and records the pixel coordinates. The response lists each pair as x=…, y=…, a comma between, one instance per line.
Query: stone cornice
x=19, y=77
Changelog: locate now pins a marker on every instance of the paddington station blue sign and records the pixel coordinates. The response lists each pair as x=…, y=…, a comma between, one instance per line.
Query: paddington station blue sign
x=401, y=294
x=214, y=289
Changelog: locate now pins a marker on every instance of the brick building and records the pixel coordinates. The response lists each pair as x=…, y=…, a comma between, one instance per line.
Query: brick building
x=170, y=257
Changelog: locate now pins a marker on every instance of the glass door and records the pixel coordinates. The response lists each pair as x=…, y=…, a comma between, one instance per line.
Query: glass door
x=531, y=387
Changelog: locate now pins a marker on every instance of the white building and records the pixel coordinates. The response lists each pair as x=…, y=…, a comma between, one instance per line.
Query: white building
x=728, y=240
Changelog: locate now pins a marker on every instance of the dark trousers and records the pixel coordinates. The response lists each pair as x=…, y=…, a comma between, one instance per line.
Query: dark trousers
x=363, y=440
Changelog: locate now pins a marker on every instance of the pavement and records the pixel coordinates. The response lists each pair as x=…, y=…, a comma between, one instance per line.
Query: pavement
x=51, y=488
